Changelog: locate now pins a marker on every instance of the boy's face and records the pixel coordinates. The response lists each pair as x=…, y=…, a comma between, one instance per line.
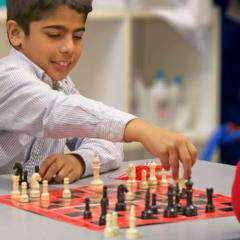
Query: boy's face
x=55, y=43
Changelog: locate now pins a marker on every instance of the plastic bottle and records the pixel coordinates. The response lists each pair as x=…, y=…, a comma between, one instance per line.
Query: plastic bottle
x=179, y=111
x=159, y=101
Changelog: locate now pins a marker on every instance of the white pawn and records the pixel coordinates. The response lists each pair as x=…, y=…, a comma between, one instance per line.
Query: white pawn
x=144, y=183
x=115, y=226
x=96, y=184
x=15, y=191
x=45, y=194
x=132, y=174
x=152, y=180
x=24, y=196
x=66, y=191
x=132, y=232
x=163, y=181
x=108, y=230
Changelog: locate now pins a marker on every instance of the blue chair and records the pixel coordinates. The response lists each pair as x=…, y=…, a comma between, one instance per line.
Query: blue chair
x=224, y=134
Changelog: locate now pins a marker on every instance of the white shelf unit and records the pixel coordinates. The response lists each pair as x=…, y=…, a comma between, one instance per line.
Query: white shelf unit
x=120, y=45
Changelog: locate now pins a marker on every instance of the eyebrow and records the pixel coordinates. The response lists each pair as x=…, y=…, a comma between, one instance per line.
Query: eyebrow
x=62, y=28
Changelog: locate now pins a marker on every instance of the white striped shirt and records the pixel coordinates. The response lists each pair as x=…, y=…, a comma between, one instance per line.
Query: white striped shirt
x=37, y=121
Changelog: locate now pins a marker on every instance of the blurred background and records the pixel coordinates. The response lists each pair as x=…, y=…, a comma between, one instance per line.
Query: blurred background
x=171, y=62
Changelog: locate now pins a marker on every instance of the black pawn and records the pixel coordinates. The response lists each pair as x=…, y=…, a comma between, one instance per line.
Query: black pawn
x=87, y=213
x=178, y=204
x=210, y=206
x=102, y=219
x=170, y=210
x=120, y=204
x=147, y=212
x=154, y=204
x=36, y=169
x=25, y=178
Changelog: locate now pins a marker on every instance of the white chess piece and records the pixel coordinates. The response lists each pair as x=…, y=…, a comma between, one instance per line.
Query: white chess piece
x=15, y=191
x=132, y=232
x=132, y=174
x=130, y=195
x=66, y=191
x=163, y=181
x=24, y=196
x=96, y=183
x=144, y=183
x=35, y=187
x=115, y=226
x=108, y=230
x=152, y=180
x=45, y=194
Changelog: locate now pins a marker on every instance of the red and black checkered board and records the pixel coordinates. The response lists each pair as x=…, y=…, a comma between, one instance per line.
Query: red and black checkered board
x=71, y=211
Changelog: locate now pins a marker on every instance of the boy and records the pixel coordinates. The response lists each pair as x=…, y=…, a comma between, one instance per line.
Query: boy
x=41, y=110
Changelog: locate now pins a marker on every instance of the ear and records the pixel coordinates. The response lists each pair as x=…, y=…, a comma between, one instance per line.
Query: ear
x=15, y=34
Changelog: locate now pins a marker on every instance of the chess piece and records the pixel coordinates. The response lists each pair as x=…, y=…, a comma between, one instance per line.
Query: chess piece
x=147, y=212
x=66, y=191
x=24, y=196
x=130, y=195
x=170, y=211
x=18, y=172
x=120, y=204
x=152, y=180
x=154, y=207
x=102, y=219
x=108, y=231
x=210, y=206
x=178, y=204
x=115, y=226
x=15, y=191
x=132, y=175
x=45, y=194
x=96, y=184
x=87, y=213
x=132, y=232
x=35, y=187
x=144, y=183
x=163, y=181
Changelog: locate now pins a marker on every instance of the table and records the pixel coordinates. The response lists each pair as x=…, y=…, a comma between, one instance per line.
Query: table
x=17, y=224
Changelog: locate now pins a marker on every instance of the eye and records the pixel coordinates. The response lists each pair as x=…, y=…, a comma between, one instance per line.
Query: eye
x=78, y=37
x=53, y=35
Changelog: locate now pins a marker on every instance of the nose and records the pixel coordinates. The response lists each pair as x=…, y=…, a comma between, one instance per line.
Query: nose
x=67, y=46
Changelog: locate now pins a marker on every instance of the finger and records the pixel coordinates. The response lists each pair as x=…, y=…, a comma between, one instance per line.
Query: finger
x=193, y=151
x=63, y=173
x=174, y=160
x=53, y=169
x=46, y=164
x=164, y=158
x=186, y=160
x=72, y=176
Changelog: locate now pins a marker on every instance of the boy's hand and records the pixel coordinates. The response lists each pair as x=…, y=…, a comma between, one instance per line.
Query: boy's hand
x=169, y=146
x=59, y=166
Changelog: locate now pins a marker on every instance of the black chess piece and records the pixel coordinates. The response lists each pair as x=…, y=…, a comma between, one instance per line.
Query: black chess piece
x=170, y=210
x=154, y=204
x=178, y=204
x=105, y=196
x=190, y=209
x=18, y=168
x=25, y=178
x=87, y=213
x=147, y=212
x=120, y=204
x=102, y=219
x=209, y=206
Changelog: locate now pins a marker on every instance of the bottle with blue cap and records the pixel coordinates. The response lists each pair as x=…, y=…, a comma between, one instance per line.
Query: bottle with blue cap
x=159, y=101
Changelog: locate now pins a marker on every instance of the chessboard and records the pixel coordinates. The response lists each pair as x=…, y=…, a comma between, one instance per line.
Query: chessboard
x=71, y=210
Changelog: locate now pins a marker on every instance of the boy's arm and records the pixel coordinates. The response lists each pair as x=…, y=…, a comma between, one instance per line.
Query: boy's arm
x=172, y=148
x=77, y=163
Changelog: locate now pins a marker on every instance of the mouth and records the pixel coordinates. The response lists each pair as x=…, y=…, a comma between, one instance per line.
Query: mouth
x=62, y=65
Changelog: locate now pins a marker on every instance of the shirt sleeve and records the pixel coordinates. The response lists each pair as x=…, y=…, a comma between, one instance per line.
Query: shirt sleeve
x=30, y=106
x=110, y=154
